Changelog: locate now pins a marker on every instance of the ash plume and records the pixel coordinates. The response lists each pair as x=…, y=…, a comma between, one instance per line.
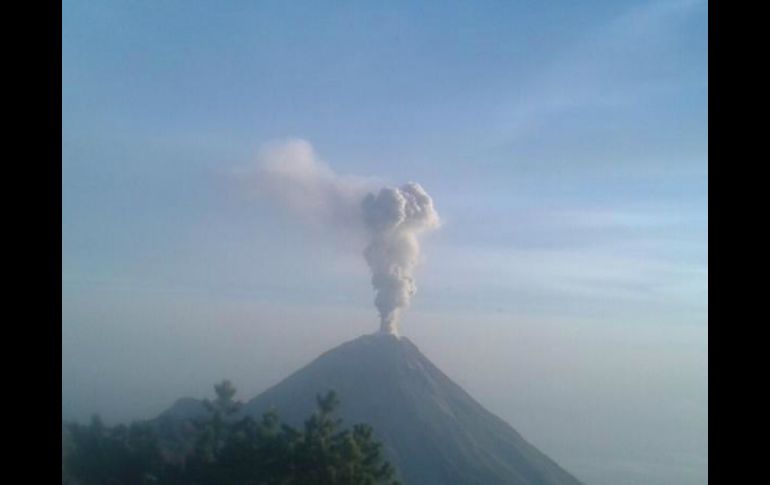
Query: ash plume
x=290, y=174
x=395, y=217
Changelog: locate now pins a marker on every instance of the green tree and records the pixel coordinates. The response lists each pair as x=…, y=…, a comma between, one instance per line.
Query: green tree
x=268, y=452
x=214, y=431
x=230, y=451
x=324, y=454
x=123, y=455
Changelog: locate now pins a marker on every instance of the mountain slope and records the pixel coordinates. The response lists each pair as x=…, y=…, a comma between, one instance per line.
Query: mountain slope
x=433, y=431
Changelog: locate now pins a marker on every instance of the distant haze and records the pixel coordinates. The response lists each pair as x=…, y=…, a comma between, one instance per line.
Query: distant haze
x=564, y=145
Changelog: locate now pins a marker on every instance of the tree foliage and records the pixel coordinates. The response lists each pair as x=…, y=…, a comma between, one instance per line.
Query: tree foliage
x=119, y=455
x=231, y=451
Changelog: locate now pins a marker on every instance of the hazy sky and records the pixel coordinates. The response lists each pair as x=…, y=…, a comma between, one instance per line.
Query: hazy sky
x=564, y=145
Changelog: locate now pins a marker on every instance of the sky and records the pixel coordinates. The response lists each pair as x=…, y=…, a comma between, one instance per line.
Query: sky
x=564, y=145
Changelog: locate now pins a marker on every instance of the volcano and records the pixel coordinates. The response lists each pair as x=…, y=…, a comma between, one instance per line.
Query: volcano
x=433, y=432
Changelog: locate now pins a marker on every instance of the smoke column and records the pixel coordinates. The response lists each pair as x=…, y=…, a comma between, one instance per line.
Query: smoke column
x=395, y=217
x=391, y=219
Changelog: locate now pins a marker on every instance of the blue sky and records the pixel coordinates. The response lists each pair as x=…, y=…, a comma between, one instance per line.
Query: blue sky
x=565, y=147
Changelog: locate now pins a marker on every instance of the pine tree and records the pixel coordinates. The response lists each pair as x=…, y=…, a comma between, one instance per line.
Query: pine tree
x=123, y=455
x=231, y=451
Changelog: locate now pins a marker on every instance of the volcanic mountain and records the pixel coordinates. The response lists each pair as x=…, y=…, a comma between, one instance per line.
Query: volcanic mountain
x=434, y=433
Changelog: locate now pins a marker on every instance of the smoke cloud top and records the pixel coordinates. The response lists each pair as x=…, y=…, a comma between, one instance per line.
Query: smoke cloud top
x=290, y=174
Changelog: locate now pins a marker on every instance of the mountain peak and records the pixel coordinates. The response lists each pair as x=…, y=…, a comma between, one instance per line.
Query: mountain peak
x=433, y=431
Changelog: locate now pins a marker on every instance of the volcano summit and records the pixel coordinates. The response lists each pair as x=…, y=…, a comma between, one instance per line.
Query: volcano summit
x=432, y=430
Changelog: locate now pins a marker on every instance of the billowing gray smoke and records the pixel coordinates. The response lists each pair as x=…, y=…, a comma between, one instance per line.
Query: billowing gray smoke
x=391, y=220
x=395, y=218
